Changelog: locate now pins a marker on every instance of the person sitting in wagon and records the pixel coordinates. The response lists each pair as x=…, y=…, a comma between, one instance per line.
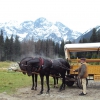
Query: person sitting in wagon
x=82, y=74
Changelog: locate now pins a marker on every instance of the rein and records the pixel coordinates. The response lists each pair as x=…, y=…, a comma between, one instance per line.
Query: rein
x=25, y=71
x=64, y=67
x=37, y=73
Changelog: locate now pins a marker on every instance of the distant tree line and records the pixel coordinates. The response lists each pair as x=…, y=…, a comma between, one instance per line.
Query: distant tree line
x=13, y=49
x=9, y=48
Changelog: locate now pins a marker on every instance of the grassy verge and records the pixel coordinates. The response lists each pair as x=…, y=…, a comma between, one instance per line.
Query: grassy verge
x=10, y=81
x=5, y=64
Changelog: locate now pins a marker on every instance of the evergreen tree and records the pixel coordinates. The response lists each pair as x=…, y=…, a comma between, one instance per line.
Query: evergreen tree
x=7, y=48
x=11, y=48
x=80, y=41
x=98, y=37
x=57, y=49
x=17, y=47
x=51, y=49
x=94, y=55
x=84, y=40
x=44, y=47
x=1, y=45
x=62, y=49
x=23, y=48
x=93, y=38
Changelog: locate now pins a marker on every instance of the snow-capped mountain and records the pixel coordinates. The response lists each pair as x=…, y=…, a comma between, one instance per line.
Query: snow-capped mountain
x=88, y=34
x=39, y=29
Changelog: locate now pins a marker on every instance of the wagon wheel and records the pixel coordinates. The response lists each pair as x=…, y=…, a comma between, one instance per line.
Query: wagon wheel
x=79, y=83
x=68, y=82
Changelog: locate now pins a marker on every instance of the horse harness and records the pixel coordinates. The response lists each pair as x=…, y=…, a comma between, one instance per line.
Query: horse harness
x=41, y=63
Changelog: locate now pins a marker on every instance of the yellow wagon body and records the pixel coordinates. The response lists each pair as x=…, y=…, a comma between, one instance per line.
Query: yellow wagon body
x=93, y=70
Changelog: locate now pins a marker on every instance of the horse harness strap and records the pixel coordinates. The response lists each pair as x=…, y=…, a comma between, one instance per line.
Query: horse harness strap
x=41, y=63
x=63, y=66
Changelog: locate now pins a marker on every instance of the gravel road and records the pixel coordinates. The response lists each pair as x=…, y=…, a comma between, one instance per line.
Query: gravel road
x=93, y=93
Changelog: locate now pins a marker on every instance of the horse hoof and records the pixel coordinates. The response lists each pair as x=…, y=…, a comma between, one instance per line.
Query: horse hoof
x=40, y=93
x=59, y=90
x=63, y=89
x=56, y=86
x=47, y=92
x=32, y=88
x=35, y=88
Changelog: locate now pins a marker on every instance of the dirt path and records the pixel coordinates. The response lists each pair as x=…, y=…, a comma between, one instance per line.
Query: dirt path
x=93, y=90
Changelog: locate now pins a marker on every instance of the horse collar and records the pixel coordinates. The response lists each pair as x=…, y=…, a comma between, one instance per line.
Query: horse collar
x=41, y=61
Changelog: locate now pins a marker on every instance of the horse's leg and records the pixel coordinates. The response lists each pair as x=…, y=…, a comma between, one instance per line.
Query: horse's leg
x=57, y=82
x=54, y=81
x=42, y=81
x=47, y=80
x=36, y=76
x=68, y=72
x=61, y=86
x=32, y=82
x=63, y=82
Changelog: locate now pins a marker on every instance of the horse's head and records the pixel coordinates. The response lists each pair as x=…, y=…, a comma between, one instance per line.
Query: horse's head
x=22, y=67
x=29, y=65
x=65, y=64
x=23, y=64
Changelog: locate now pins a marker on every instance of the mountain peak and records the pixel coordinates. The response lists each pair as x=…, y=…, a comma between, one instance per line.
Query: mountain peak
x=41, y=19
x=41, y=29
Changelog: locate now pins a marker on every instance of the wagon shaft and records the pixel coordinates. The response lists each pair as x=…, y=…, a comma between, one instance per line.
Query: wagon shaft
x=70, y=79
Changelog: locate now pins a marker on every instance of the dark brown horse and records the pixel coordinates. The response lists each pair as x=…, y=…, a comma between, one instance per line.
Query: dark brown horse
x=39, y=65
x=60, y=67
x=22, y=65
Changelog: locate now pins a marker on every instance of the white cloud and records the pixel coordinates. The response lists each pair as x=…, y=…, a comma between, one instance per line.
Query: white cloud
x=79, y=15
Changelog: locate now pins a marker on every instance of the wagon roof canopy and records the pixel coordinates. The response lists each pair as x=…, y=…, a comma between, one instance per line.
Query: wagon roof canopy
x=79, y=47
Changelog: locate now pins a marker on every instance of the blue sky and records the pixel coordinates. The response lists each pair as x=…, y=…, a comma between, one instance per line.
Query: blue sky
x=79, y=15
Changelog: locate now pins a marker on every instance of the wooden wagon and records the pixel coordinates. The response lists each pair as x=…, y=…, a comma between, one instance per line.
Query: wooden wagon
x=93, y=69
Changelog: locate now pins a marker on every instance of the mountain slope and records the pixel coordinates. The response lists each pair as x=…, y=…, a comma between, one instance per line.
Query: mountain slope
x=88, y=34
x=39, y=29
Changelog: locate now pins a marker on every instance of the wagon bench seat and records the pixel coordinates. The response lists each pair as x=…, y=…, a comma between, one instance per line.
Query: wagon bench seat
x=87, y=60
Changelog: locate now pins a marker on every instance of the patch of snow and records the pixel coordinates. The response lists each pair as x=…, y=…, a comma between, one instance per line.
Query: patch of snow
x=22, y=35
